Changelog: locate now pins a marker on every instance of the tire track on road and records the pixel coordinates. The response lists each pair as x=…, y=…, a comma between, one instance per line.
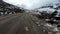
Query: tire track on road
x=27, y=22
x=7, y=16
x=6, y=27
x=15, y=27
x=7, y=19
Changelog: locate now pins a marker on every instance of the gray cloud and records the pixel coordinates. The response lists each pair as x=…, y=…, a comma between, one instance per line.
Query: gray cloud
x=30, y=4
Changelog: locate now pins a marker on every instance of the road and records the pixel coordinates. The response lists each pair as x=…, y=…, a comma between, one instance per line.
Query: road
x=20, y=24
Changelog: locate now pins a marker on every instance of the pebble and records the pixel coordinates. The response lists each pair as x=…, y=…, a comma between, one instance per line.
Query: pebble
x=26, y=28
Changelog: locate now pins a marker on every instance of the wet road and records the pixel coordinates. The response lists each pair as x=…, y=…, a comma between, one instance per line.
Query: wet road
x=20, y=24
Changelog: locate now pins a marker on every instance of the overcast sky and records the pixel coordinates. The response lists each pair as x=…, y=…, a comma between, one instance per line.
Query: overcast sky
x=30, y=4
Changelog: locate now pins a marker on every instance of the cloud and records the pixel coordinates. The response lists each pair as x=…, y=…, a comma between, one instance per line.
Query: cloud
x=30, y=4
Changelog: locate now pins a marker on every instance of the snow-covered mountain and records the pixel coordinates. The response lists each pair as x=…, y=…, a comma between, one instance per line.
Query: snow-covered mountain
x=30, y=4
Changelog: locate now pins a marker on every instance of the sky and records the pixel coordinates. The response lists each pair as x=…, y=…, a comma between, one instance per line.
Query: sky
x=30, y=4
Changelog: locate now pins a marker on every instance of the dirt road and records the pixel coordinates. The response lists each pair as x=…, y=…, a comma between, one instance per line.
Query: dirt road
x=20, y=24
